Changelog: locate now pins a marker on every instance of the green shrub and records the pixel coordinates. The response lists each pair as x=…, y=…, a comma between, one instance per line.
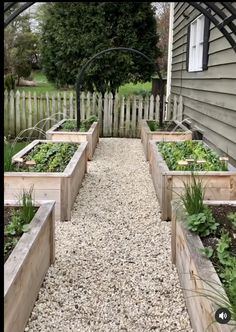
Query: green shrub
x=9, y=82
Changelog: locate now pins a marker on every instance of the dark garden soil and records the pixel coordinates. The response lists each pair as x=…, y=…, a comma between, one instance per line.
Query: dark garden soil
x=220, y=213
x=167, y=126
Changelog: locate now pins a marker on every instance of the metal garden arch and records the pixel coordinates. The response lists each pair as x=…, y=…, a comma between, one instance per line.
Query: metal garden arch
x=124, y=49
x=221, y=14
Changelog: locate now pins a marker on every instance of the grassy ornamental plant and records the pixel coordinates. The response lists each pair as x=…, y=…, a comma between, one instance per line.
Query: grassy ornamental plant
x=20, y=220
x=190, y=156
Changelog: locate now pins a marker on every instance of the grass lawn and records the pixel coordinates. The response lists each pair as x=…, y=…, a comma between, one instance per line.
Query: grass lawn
x=131, y=88
x=44, y=86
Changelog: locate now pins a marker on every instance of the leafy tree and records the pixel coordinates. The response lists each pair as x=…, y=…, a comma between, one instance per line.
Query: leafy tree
x=20, y=47
x=73, y=32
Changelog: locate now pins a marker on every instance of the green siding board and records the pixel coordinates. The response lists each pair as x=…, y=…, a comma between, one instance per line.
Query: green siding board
x=209, y=123
x=209, y=96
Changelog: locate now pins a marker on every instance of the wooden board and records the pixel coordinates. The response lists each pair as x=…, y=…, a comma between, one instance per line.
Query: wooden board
x=26, y=267
x=197, y=275
x=91, y=136
x=147, y=135
x=61, y=187
x=170, y=184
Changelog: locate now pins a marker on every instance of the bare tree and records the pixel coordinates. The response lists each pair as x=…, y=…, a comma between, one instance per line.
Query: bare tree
x=162, y=18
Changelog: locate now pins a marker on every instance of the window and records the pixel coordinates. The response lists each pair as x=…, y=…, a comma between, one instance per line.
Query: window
x=198, y=44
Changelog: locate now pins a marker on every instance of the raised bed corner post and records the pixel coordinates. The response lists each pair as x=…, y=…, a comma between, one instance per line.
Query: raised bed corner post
x=124, y=49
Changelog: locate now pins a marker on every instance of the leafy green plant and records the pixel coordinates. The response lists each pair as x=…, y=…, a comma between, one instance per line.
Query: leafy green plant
x=207, y=252
x=232, y=217
x=20, y=220
x=153, y=125
x=50, y=157
x=202, y=223
x=71, y=125
x=204, y=158
x=223, y=247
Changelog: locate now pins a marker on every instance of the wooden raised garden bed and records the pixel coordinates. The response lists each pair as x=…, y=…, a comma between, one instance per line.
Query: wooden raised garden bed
x=197, y=274
x=147, y=134
x=91, y=136
x=62, y=187
x=168, y=184
x=25, y=268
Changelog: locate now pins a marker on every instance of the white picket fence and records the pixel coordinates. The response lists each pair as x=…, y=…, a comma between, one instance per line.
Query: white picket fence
x=118, y=115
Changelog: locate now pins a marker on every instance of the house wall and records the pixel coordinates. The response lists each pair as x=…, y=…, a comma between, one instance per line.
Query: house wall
x=209, y=96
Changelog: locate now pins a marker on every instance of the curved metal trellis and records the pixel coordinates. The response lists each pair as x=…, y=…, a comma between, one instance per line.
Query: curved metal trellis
x=221, y=14
x=123, y=49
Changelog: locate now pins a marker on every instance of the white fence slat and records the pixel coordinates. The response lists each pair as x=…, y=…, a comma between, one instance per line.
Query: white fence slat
x=116, y=116
x=133, y=121
x=105, y=115
x=180, y=109
x=54, y=107
x=50, y=119
x=72, y=115
x=12, y=120
x=35, y=118
x=23, y=113
x=151, y=108
x=175, y=108
x=88, y=106
x=122, y=113
x=157, y=108
x=94, y=104
x=99, y=111
x=41, y=115
x=6, y=113
x=64, y=106
x=146, y=107
x=110, y=108
x=30, y=114
x=127, y=118
x=82, y=107
x=140, y=114
x=18, y=118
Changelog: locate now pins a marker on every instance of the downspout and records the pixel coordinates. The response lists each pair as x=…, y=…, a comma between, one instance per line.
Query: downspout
x=170, y=45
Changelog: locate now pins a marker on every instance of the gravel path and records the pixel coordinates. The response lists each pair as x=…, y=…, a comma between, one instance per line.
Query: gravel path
x=113, y=268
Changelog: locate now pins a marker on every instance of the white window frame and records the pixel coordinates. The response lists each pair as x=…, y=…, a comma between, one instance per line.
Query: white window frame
x=196, y=44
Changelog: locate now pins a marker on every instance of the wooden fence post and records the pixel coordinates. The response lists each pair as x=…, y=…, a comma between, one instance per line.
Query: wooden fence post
x=122, y=113
x=116, y=116
x=6, y=113
x=17, y=118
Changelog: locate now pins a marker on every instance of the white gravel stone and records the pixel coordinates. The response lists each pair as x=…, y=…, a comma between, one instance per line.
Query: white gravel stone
x=113, y=268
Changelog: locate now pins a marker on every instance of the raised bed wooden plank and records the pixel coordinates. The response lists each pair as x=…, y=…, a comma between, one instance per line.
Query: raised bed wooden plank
x=91, y=136
x=170, y=184
x=62, y=187
x=196, y=273
x=147, y=135
x=26, y=267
